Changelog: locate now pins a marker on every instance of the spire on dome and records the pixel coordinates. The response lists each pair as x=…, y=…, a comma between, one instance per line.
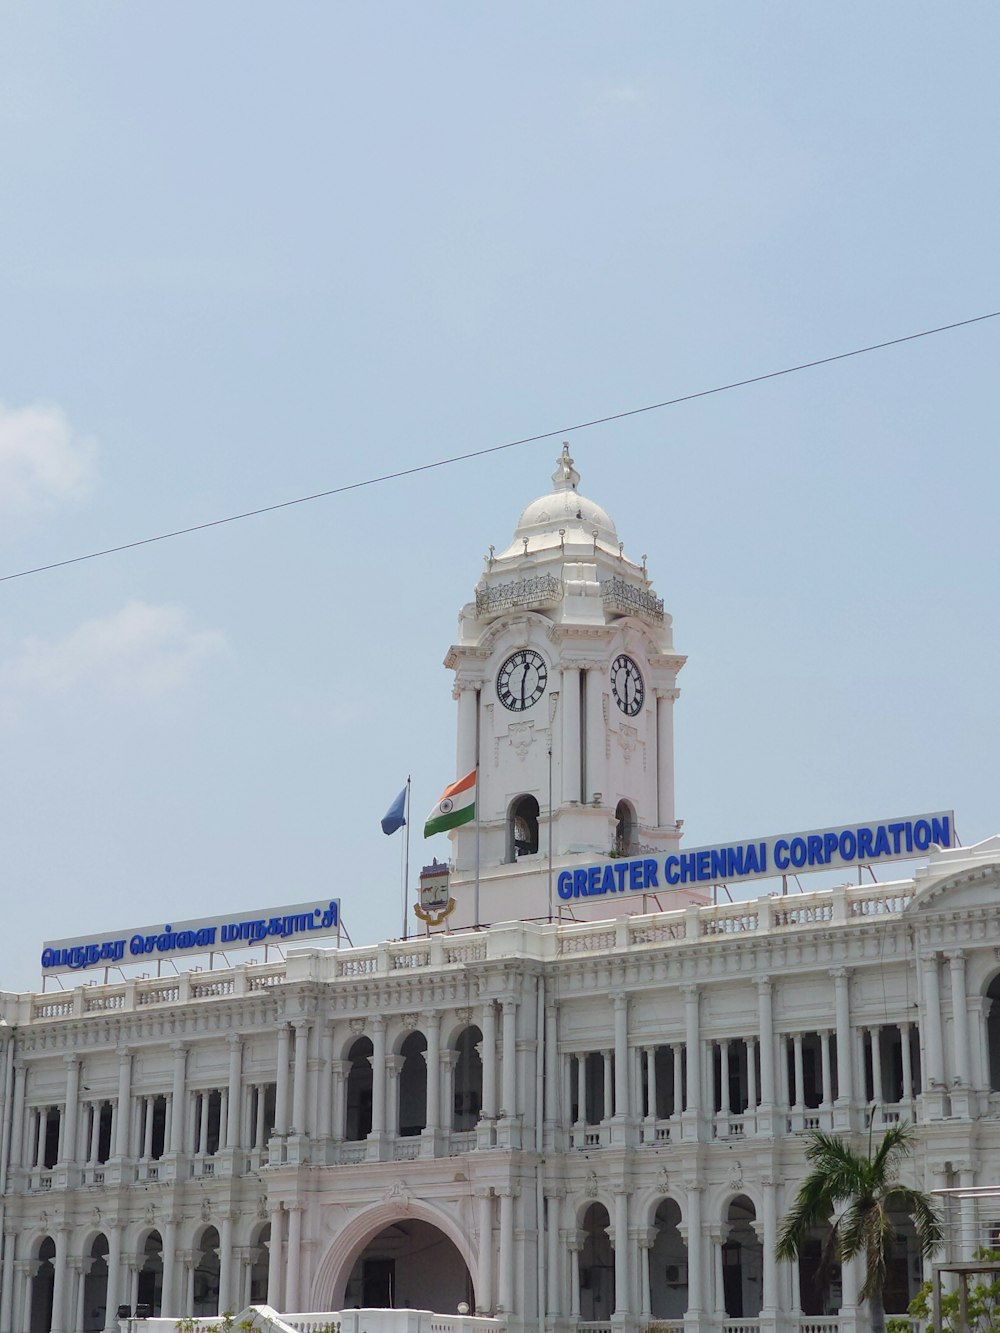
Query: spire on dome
x=565, y=477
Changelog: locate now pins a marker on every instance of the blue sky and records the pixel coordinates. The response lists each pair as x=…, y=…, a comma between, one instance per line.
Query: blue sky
x=252, y=251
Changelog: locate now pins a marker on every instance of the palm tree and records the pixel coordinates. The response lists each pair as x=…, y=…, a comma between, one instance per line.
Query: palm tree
x=865, y=1189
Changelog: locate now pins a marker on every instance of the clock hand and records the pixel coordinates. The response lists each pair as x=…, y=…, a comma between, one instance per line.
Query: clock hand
x=524, y=681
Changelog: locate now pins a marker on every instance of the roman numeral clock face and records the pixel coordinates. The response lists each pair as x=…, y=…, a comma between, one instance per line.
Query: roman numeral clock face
x=521, y=680
x=626, y=685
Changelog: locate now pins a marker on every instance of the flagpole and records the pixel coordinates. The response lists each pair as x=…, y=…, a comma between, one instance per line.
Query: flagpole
x=475, y=900
x=406, y=860
x=550, y=832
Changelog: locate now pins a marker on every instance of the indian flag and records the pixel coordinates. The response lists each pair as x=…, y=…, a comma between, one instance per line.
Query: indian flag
x=456, y=806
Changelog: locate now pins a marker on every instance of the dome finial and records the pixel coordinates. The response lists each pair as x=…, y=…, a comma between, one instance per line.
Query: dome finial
x=565, y=477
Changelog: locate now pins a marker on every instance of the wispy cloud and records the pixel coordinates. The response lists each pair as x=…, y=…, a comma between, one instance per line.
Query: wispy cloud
x=140, y=651
x=43, y=462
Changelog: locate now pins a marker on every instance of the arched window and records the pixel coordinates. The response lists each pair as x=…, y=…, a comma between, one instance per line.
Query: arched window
x=993, y=1031
x=259, y=1265
x=668, y=1266
x=742, y=1262
x=625, y=829
x=597, y=1266
x=206, y=1273
x=95, y=1287
x=359, y=1090
x=413, y=1085
x=42, y=1287
x=468, y=1080
x=149, y=1291
x=522, y=827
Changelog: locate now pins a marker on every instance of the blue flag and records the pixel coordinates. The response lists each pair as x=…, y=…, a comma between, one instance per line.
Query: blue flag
x=393, y=817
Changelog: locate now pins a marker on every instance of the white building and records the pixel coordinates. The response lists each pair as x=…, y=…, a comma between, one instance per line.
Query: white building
x=565, y=1124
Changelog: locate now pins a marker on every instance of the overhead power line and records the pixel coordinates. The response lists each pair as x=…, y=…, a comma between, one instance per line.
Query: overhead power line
x=497, y=448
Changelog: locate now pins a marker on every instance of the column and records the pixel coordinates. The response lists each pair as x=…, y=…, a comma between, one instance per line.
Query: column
x=960, y=1017
x=122, y=1110
x=845, y=1053
x=340, y=1069
x=168, y=1298
x=325, y=1127
x=95, y=1132
x=41, y=1135
x=769, y=1292
x=25, y=1271
x=724, y=1106
x=506, y=1248
x=378, y=1075
x=281, y=1091
x=678, y=1104
x=176, y=1099
x=765, y=1026
x=393, y=1069
x=581, y=1088
x=489, y=1057
x=824, y=1050
x=59, y=1285
x=204, y=1102
x=67, y=1125
x=551, y=1116
x=751, y=1045
x=7, y=1284
x=233, y=1107
x=651, y=1099
x=274, y=1260
x=606, y=1059
x=484, y=1290
x=226, y=1263
x=553, y=1301
x=571, y=773
x=665, y=758
x=645, y=1240
x=467, y=695
x=299, y=1126
x=694, y=1248
x=147, y=1128
x=574, y=1245
x=17, y=1122
x=114, y=1298
x=875, y=1037
x=81, y=1267
x=800, y=1091
x=595, y=733
x=623, y=1304
x=509, y=1071
x=622, y=1107
x=934, y=1074
x=905, y=1052
x=717, y=1235
x=292, y=1301
x=432, y=1031
x=693, y=1039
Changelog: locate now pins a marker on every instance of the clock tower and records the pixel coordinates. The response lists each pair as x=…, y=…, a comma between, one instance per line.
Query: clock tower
x=565, y=679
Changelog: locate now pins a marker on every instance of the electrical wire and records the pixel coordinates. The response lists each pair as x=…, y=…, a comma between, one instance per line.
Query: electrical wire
x=497, y=448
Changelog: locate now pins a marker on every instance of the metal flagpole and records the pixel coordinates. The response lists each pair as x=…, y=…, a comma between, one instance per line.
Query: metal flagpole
x=550, y=832
x=406, y=860
x=475, y=901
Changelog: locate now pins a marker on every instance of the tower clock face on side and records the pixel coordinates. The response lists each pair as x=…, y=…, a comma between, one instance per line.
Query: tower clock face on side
x=521, y=680
x=626, y=685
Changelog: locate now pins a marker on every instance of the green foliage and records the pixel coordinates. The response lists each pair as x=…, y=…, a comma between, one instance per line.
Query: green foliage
x=868, y=1189
x=983, y=1302
x=185, y=1325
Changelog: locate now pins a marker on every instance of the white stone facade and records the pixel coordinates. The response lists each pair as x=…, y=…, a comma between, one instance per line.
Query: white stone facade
x=595, y=1124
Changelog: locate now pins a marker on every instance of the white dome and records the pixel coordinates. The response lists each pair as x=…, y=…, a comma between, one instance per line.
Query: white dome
x=564, y=507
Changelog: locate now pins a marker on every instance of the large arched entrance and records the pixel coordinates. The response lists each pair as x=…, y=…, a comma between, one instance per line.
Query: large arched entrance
x=410, y=1265
x=408, y=1257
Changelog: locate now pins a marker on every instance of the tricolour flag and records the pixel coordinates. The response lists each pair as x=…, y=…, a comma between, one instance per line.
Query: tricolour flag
x=456, y=806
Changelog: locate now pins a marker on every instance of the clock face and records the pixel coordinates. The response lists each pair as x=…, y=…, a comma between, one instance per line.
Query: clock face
x=626, y=685
x=521, y=680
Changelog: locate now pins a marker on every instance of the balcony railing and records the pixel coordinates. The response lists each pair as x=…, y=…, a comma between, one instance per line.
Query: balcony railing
x=628, y=600
x=537, y=592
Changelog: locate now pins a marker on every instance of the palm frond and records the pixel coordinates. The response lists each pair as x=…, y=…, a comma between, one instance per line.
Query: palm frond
x=896, y=1142
x=926, y=1216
